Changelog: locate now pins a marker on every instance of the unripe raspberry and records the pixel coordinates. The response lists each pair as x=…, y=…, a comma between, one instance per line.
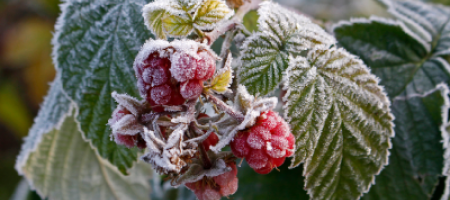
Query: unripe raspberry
x=128, y=140
x=216, y=187
x=265, y=145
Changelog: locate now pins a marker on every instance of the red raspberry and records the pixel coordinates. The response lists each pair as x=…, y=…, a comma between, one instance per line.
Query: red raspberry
x=170, y=73
x=191, y=89
x=216, y=187
x=129, y=141
x=265, y=145
x=154, y=82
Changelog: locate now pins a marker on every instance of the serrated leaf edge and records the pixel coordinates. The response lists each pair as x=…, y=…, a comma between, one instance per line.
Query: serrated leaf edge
x=391, y=22
x=387, y=102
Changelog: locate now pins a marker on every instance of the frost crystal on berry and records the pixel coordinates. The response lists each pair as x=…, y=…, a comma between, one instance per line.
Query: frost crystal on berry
x=169, y=73
x=266, y=144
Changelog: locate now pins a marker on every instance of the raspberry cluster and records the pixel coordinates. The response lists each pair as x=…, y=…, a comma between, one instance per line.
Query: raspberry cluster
x=128, y=140
x=266, y=144
x=170, y=73
x=213, y=188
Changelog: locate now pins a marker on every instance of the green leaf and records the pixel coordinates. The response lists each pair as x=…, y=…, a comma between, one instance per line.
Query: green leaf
x=341, y=120
x=416, y=160
x=94, y=48
x=402, y=60
x=285, y=184
x=430, y=22
x=50, y=116
x=265, y=54
x=64, y=166
x=210, y=13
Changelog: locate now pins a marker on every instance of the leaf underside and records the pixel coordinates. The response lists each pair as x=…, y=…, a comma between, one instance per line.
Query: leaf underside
x=64, y=166
x=55, y=106
x=341, y=120
x=94, y=49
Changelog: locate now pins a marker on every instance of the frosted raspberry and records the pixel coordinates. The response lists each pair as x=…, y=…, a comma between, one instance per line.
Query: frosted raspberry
x=206, y=66
x=126, y=139
x=257, y=158
x=265, y=145
x=154, y=81
x=216, y=187
x=184, y=66
x=161, y=94
x=254, y=141
x=191, y=89
x=181, y=65
x=239, y=145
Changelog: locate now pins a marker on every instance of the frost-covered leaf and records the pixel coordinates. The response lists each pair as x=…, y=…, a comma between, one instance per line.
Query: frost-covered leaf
x=416, y=160
x=265, y=54
x=210, y=13
x=50, y=116
x=430, y=22
x=64, y=166
x=177, y=18
x=152, y=18
x=341, y=120
x=94, y=48
x=222, y=80
x=400, y=58
x=177, y=25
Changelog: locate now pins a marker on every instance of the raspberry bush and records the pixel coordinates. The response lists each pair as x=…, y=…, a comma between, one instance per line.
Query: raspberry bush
x=141, y=93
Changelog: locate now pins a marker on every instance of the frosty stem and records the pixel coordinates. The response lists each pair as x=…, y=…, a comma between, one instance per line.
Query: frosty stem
x=233, y=22
x=204, y=156
x=238, y=116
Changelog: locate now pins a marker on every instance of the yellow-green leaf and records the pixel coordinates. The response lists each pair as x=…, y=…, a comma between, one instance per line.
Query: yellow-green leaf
x=152, y=18
x=210, y=13
x=177, y=25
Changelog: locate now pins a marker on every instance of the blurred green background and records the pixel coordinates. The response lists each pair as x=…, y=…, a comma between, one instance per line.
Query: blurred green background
x=26, y=68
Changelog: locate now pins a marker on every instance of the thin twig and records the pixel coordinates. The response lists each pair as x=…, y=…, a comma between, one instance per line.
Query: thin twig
x=233, y=22
x=238, y=116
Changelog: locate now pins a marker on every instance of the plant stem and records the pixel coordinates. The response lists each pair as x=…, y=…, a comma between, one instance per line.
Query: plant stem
x=238, y=116
x=203, y=155
x=233, y=22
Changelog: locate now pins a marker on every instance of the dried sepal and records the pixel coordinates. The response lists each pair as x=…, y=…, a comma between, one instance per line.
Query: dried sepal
x=165, y=156
x=250, y=107
x=196, y=170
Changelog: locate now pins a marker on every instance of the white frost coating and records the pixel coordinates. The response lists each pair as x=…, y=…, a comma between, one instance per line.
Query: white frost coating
x=444, y=128
x=251, y=108
x=281, y=33
x=171, y=50
x=328, y=91
x=213, y=18
x=51, y=115
x=417, y=22
x=400, y=24
x=165, y=156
